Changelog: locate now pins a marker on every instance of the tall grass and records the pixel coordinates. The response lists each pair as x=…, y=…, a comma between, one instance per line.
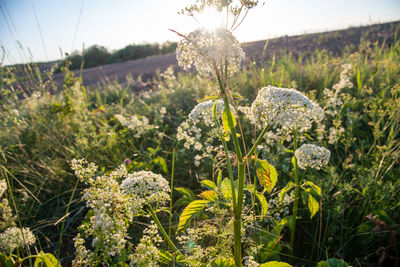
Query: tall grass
x=42, y=131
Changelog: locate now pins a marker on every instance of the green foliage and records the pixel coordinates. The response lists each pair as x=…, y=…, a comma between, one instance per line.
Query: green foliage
x=267, y=175
x=190, y=211
x=39, y=137
x=333, y=262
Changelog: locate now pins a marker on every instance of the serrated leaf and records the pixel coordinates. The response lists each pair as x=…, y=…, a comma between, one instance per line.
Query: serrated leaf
x=208, y=183
x=264, y=205
x=285, y=190
x=190, y=211
x=225, y=120
x=332, y=262
x=186, y=192
x=313, y=205
x=164, y=256
x=226, y=189
x=275, y=264
x=316, y=188
x=266, y=174
x=209, y=195
x=46, y=260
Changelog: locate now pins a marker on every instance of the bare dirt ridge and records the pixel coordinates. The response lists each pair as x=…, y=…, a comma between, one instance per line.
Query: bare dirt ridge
x=334, y=41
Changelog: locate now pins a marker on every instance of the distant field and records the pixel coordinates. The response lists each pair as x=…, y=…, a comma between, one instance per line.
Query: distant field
x=333, y=41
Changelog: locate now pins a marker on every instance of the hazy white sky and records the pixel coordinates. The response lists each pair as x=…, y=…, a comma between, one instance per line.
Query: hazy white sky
x=43, y=28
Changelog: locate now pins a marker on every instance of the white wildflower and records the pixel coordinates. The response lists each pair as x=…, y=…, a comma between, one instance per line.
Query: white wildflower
x=210, y=49
x=310, y=155
x=83, y=170
x=286, y=108
x=14, y=237
x=250, y=262
x=344, y=78
x=3, y=187
x=138, y=124
x=146, y=186
x=146, y=252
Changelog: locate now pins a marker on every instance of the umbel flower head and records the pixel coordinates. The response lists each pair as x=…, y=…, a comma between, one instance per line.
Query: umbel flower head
x=310, y=155
x=146, y=186
x=210, y=49
x=14, y=237
x=202, y=112
x=285, y=108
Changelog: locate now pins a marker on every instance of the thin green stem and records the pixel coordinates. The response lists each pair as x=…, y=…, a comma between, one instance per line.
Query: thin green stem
x=172, y=190
x=296, y=196
x=161, y=228
x=258, y=141
x=241, y=175
x=63, y=223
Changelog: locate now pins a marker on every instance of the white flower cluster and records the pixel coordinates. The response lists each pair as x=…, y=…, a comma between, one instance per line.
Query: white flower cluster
x=310, y=155
x=14, y=237
x=277, y=211
x=285, y=108
x=333, y=97
x=114, y=206
x=83, y=170
x=146, y=252
x=146, y=187
x=113, y=211
x=208, y=50
x=249, y=261
x=138, y=124
x=200, y=130
x=344, y=78
x=3, y=187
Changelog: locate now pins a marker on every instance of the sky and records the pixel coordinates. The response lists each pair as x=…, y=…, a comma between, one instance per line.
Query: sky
x=43, y=30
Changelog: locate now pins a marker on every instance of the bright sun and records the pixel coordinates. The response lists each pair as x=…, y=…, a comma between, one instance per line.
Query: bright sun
x=210, y=18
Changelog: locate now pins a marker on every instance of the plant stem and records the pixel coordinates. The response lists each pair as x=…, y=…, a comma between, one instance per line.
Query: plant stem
x=241, y=176
x=296, y=196
x=161, y=228
x=172, y=190
x=63, y=223
x=258, y=141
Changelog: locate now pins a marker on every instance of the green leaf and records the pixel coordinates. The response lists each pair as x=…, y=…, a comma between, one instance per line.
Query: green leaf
x=190, y=211
x=219, y=178
x=208, y=183
x=222, y=262
x=164, y=256
x=316, y=189
x=266, y=174
x=313, y=205
x=275, y=264
x=186, y=192
x=209, y=195
x=225, y=120
x=285, y=190
x=264, y=205
x=332, y=262
x=46, y=260
x=226, y=189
